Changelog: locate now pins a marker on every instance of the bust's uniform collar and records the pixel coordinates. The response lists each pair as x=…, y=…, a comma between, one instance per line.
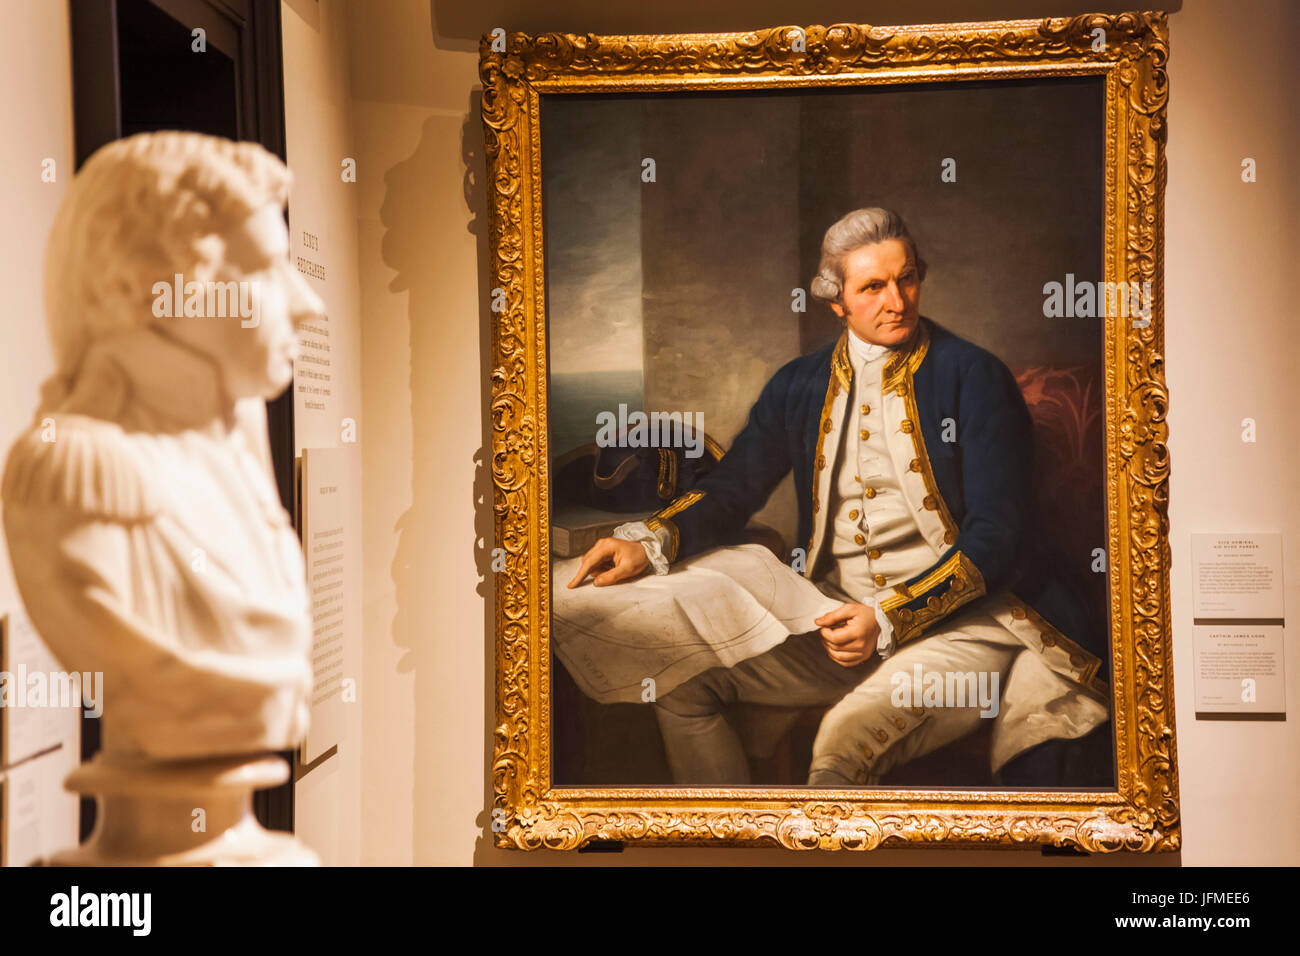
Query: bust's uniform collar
x=176, y=385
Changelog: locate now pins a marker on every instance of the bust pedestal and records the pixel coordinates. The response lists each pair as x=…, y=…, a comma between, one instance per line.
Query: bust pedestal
x=149, y=813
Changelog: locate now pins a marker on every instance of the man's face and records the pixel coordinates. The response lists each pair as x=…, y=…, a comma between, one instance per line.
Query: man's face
x=882, y=293
x=256, y=354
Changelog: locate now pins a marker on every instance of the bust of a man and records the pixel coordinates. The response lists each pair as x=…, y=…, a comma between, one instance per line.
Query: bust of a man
x=147, y=538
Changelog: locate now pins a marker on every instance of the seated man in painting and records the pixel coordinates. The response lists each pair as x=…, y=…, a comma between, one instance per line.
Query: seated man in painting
x=912, y=457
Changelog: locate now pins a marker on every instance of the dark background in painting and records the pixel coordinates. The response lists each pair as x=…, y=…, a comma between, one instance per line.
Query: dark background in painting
x=676, y=294
x=684, y=285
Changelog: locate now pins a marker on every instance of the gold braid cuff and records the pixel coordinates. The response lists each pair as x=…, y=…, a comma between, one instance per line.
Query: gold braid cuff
x=660, y=519
x=914, y=609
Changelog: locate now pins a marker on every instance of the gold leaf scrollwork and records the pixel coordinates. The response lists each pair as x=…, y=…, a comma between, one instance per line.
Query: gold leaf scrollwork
x=1142, y=813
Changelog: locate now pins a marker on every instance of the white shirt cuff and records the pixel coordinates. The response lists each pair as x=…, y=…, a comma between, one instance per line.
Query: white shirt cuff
x=650, y=540
x=885, y=642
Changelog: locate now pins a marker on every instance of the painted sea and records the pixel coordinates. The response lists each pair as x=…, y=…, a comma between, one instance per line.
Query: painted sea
x=576, y=399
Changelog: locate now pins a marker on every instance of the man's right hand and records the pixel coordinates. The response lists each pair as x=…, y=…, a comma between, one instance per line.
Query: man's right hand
x=618, y=560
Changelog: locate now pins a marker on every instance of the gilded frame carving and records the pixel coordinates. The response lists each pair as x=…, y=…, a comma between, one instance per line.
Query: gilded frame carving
x=1141, y=814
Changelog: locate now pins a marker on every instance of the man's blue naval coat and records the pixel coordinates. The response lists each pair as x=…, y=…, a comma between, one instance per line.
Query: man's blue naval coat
x=982, y=480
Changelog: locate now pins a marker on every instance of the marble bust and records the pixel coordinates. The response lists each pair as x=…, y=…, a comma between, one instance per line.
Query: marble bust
x=141, y=513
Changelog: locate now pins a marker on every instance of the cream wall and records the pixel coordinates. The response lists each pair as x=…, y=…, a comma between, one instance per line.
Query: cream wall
x=318, y=137
x=36, y=116
x=1230, y=341
x=425, y=512
x=1232, y=348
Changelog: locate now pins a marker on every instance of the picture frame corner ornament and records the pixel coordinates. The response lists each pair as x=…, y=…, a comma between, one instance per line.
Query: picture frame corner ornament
x=1127, y=828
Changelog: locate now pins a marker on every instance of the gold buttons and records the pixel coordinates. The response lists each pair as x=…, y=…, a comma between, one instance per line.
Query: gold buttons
x=880, y=580
x=1018, y=613
x=899, y=722
x=880, y=735
x=1077, y=660
x=873, y=554
x=821, y=462
x=857, y=479
x=906, y=426
x=949, y=537
x=866, y=409
x=826, y=425
x=869, y=492
x=853, y=515
x=864, y=434
x=933, y=602
x=914, y=465
x=1048, y=639
x=859, y=539
x=929, y=503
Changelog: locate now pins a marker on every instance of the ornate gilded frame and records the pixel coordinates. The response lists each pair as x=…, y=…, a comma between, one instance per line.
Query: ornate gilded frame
x=1141, y=814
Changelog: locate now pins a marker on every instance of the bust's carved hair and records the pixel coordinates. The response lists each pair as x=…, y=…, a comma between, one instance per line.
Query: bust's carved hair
x=141, y=210
x=862, y=227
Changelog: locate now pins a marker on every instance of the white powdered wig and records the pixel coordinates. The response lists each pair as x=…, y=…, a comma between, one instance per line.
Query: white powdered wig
x=862, y=227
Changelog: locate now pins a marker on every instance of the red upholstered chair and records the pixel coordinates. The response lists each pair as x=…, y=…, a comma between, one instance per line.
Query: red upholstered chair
x=1066, y=404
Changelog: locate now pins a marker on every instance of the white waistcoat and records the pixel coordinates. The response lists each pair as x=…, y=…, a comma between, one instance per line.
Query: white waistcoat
x=875, y=542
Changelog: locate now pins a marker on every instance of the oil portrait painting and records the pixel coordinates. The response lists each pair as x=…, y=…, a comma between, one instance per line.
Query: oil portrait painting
x=842, y=517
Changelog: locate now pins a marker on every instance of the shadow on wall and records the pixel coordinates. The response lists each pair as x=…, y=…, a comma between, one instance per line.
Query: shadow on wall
x=409, y=214
x=475, y=160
